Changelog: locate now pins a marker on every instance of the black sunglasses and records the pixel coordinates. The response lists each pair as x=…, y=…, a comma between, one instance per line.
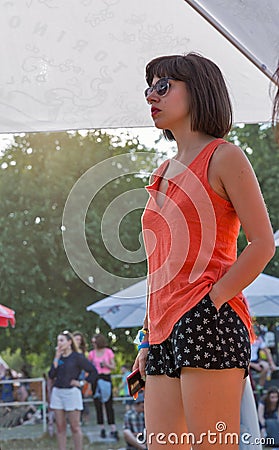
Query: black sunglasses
x=161, y=87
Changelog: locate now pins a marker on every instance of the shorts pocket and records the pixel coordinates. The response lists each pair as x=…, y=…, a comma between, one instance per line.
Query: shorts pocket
x=211, y=301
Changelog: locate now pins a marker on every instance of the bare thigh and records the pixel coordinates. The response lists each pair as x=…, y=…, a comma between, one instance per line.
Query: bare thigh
x=60, y=419
x=74, y=419
x=164, y=413
x=212, y=401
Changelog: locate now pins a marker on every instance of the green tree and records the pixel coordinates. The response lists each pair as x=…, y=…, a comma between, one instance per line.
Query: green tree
x=38, y=172
x=258, y=143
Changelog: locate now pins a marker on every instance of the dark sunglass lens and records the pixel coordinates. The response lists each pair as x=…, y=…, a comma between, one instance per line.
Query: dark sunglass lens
x=162, y=86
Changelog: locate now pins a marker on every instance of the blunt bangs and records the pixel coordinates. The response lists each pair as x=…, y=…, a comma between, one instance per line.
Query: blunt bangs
x=163, y=66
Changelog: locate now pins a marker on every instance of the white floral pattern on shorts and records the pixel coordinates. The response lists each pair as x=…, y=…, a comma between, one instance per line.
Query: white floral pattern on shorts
x=204, y=338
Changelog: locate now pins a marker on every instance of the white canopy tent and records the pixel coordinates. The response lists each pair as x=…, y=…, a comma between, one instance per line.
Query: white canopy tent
x=263, y=296
x=73, y=65
x=276, y=238
x=126, y=309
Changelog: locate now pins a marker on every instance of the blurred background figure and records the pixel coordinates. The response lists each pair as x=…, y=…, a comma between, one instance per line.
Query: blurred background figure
x=123, y=387
x=23, y=390
x=6, y=389
x=80, y=342
x=86, y=390
x=260, y=366
x=268, y=412
x=66, y=397
x=103, y=359
x=270, y=341
x=134, y=425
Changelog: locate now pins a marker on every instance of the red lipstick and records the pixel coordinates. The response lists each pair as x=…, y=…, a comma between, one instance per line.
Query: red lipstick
x=154, y=110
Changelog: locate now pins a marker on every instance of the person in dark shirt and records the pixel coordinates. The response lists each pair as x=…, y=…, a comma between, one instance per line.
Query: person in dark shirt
x=66, y=395
x=268, y=412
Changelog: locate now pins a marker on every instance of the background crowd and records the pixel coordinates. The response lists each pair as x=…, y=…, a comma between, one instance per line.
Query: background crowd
x=263, y=372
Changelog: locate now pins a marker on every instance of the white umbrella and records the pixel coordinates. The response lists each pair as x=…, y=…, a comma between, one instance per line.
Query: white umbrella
x=276, y=238
x=263, y=296
x=71, y=64
x=124, y=309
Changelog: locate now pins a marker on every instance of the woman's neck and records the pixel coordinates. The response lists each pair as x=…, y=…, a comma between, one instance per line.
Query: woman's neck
x=190, y=143
x=67, y=352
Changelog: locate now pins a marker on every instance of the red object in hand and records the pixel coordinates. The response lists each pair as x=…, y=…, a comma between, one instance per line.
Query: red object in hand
x=135, y=383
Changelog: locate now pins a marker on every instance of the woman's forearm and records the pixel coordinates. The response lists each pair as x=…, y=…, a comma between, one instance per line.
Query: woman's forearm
x=261, y=414
x=247, y=267
x=145, y=321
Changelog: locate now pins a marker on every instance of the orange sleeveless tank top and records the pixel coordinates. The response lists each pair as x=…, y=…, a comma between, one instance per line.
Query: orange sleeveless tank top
x=191, y=241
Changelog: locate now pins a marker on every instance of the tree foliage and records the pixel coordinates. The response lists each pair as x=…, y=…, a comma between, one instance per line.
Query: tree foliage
x=37, y=281
x=37, y=173
x=258, y=143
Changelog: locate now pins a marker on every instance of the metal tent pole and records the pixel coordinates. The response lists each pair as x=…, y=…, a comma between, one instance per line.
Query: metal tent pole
x=231, y=38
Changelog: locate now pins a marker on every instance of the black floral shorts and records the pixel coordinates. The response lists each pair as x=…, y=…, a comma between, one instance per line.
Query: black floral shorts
x=204, y=338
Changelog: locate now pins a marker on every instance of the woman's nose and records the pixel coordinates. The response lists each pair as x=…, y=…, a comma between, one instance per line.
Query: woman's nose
x=152, y=97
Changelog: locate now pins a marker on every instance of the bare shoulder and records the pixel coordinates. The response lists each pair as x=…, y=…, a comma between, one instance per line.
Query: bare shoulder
x=230, y=169
x=227, y=150
x=230, y=157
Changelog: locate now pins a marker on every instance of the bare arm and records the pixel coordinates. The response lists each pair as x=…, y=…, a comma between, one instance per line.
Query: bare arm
x=232, y=176
x=145, y=321
x=53, y=369
x=140, y=361
x=111, y=363
x=261, y=414
x=269, y=358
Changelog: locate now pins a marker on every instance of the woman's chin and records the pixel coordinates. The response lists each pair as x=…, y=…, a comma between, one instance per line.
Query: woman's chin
x=158, y=124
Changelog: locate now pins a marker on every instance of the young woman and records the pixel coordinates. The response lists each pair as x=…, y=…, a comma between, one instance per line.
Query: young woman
x=80, y=342
x=86, y=389
x=197, y=322
x=103, y=359
x=268, y=411
x=66, y=395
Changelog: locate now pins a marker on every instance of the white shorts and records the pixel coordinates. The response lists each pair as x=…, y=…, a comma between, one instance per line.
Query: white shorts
x=66, y=399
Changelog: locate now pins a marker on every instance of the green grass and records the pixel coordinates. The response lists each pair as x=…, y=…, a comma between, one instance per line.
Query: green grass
x=30, y=437
x=47, y=443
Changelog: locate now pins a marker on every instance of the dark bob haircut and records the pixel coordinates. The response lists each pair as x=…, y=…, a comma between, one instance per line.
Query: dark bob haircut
x=210, y=105
x=100, y=339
